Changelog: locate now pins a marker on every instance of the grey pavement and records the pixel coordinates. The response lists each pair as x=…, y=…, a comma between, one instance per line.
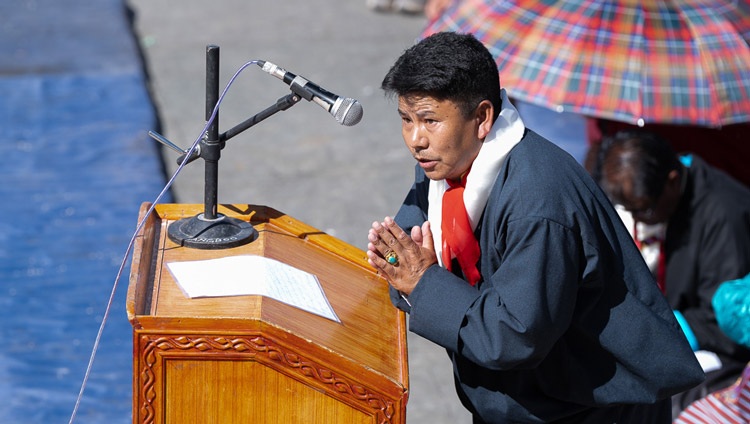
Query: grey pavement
x=300, y=161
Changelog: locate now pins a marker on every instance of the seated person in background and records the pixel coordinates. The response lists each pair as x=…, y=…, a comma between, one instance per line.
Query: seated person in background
x=707, y=238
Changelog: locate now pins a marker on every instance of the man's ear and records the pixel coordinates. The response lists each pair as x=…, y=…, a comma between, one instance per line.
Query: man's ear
x=484, y=113
x=674, y=181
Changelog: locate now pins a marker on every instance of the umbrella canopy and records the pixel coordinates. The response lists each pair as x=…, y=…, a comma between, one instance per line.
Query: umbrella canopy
x=658, y=61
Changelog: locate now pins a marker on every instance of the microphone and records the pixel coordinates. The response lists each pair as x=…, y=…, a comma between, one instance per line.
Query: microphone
x=346, y=111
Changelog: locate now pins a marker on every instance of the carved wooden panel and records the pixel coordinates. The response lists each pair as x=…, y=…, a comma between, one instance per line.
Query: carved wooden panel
x=156, y=349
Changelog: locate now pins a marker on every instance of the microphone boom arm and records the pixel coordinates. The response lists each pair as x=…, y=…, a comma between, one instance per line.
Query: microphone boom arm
x=281, y=104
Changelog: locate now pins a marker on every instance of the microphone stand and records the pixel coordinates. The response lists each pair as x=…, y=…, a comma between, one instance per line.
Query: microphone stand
x=210, y=229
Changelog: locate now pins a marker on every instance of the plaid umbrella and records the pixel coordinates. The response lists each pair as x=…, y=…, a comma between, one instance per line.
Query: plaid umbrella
x=659, y=61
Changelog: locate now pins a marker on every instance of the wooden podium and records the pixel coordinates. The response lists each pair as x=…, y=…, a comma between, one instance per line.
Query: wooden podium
x=246, y=359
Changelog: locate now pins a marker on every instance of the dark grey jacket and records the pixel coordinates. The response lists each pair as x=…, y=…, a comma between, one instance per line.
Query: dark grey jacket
x=567, y=318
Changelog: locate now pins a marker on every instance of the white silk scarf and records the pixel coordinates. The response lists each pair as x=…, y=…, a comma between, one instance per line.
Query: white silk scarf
x=505, y=133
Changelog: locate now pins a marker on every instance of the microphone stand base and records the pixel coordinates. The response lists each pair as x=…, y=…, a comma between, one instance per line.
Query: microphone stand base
x=220, y=233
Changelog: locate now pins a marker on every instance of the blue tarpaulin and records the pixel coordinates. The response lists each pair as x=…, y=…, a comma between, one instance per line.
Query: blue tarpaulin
x=75, y=166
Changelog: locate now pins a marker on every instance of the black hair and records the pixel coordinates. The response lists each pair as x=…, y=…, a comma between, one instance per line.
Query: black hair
x=447, y=66
x=642, y=154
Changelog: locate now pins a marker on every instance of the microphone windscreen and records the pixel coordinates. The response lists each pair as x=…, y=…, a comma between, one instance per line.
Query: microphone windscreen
x=349, y=112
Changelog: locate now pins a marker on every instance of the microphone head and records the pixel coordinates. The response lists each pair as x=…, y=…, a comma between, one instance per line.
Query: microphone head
x=347, y=111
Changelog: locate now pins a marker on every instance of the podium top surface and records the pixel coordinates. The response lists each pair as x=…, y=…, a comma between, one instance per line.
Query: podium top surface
x=372, y=332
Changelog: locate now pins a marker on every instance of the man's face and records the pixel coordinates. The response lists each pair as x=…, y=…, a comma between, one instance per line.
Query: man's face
x=439, y=136
x=643, y=208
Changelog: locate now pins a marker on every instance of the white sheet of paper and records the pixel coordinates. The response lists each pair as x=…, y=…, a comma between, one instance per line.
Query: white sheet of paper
x=252, y=275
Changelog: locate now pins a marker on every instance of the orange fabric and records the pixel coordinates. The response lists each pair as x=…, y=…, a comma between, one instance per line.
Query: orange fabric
x=458, y=238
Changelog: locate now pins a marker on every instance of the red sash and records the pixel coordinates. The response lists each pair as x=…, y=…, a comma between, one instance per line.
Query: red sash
x=458, y=238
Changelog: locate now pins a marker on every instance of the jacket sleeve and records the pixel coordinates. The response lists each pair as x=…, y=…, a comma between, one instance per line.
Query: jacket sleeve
x=522, y=309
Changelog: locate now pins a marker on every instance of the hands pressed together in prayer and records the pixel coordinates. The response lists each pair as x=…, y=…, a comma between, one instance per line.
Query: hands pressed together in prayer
x=399, y=257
